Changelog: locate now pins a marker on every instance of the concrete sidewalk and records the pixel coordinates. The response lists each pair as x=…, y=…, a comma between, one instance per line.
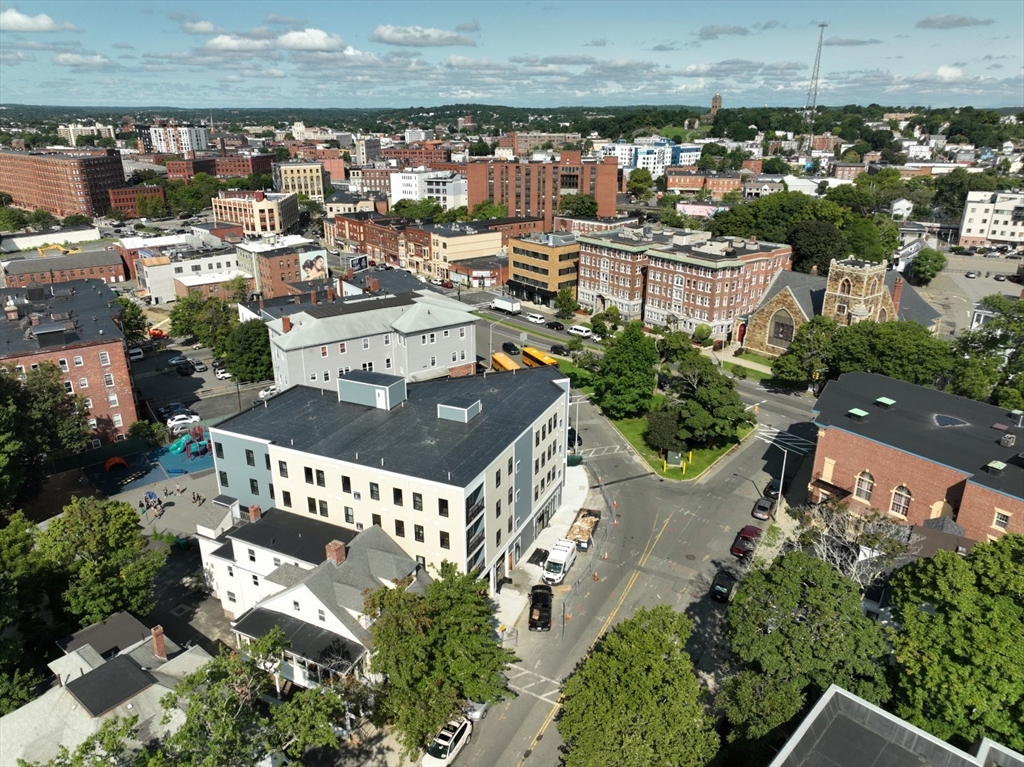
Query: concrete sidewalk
x=727, y=354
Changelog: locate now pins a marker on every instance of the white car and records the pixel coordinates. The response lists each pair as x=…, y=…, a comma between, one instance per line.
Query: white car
x=536, y=319
x=222, y=374
x=447, y=744
x=178, y=419
x=267, y=393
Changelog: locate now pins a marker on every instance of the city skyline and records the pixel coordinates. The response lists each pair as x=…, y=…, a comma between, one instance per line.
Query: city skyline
x=303, y=55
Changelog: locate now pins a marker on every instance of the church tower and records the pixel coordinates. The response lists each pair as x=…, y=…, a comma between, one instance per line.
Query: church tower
x=716, y=104
x=856, y=291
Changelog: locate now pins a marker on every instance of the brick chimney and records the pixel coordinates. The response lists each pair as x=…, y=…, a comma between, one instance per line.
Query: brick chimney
x=261, y=303
x=286, y=324
x=897, y=291
x=335, y=552
x=312, y=296
x=814, y=270
x=255, y=512
x=159, y=647
x=331, y=295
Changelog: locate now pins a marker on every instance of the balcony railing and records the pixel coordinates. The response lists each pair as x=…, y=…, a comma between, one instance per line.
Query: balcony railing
x=474, y=511
x=474, y=542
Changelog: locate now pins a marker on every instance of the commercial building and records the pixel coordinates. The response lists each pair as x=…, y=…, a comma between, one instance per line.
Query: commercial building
x=172, y=139
x=446, y=188
x=993, y=218
x=258, y=213
x=127, y=199
x=417, y=336
x=412, y=135
x=340, y=203
x=466, y=469
x=414, y=156
x=710, y=183
x=365, y=150
x=75, y=327
x=129, y=248
x=847, y=171
x=299, y=177
x=612, y=267
x=104, y=265
x=73, y=131
x=525, y=142
x=220, y=285
x=915, y=453
x=227, y=166
x=695, y=280
x=542, y=264
x=586, y=225
x=536, y=188
x=483, y=272
x=275, y=262
x=158, y=268
x=183, y=170
x=61, y=183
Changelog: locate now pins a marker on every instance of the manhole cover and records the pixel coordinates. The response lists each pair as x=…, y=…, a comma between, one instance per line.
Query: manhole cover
x=690, y=556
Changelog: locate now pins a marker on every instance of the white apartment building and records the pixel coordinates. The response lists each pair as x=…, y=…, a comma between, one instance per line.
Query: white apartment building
x=468, y=470
x=258, y=213
x=688, y=154
x=72, y=131
x=993, y=218
x=178, y=139
x=654, y=159
x=446, y=187
x=412, y=135
x=302, y=177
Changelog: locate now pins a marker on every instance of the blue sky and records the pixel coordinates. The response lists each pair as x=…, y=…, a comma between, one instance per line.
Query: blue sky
x=224, y=53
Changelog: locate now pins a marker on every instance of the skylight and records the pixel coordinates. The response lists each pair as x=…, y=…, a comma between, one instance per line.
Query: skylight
x=948, y=420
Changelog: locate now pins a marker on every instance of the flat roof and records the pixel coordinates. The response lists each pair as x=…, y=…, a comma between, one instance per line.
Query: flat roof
x=409, y=438
x=37, y=263
x=111, y=684
x=279, y=242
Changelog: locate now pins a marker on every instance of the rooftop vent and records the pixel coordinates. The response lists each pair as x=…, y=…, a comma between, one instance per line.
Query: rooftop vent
x=885, y=403
x=1008, y=440
x=995, y=468
x=857, y=414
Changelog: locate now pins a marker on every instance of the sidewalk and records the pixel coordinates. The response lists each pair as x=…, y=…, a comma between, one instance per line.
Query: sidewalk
x=796, y=495
x=727, y=354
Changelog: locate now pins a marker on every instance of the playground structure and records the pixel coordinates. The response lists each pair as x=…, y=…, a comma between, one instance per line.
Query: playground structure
x=194, y=444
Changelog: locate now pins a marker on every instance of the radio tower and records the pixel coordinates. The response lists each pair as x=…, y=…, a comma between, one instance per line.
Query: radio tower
x=812, y=91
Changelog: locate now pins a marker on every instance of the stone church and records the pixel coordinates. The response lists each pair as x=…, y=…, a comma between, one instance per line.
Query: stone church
x=854, y=291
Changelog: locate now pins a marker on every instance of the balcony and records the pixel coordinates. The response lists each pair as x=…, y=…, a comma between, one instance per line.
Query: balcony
x=474, y=511
x=474, y=543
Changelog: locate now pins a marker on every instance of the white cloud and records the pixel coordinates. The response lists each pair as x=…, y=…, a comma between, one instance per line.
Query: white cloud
x=17, y=57
x=309, y=40
x=286, y=21
x=82, y=61
x=468, y=26
x=13, y=21
x=950, y=21
x=715, y=31
x=199, y=27
x=273, y=73
x=419, y=37
x=850, y=41
x=601, y=42
x=235, y=43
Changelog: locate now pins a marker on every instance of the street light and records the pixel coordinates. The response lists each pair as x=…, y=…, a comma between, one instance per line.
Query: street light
x=490, y=345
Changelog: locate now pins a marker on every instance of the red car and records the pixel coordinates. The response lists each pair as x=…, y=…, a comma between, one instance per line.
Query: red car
x=447, y=284
x=746, y=541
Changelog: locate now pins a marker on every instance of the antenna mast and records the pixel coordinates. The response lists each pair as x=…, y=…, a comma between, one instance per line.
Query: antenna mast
x=812, y=91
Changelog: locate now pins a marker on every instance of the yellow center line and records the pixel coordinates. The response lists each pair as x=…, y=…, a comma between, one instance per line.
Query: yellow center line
x=648, y=550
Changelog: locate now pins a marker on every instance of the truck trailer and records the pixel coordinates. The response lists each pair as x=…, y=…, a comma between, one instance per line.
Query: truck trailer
x=507, y=305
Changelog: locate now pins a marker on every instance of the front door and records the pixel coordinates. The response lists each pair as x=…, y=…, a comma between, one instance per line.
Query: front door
x=380, y=400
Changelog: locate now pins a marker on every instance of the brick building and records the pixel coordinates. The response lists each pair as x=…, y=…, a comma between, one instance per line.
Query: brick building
x=183, y=170
x=62, y=183
x=376, y=180
x=522, y=143
x=277, y=262
x=693, y=279
x=915, y=454
x=74, y=326
x=104, y=265
x=420, y=154
x=351, y=227
x=127, y=199
x=509, y=227
x=612, y=267
x=535, y=188
x=212, y=285
x=228, y=166
x=847, y=171
x=584, y=225
x=542, y=264
x=257, y=213
x=681, y=179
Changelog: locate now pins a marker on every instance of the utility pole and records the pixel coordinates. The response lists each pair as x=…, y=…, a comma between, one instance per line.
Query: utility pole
x=812, y=91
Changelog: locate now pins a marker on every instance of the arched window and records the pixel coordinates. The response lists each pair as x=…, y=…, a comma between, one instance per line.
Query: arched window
x=882, y=316
x=781, y=329
x=874, y=286
x=901, y=501
x=845, y=287
x=865, y=486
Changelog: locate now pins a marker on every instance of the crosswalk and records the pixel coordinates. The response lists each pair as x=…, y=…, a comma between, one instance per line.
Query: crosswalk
x=597, y=452
x=526, y=682
x=785, y=440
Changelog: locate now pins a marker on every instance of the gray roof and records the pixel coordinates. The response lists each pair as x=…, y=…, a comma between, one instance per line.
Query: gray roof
x=913, y=426
x=119, y=631
x=291, y=535
x=410, y=438
x=86, y=259
x=307, y=640
x=912, y=307
x=807, y=289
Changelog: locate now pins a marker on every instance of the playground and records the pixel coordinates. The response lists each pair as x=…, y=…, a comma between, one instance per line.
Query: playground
x=186, y=455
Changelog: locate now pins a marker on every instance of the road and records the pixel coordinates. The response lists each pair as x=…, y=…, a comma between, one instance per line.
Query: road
x=669, y=541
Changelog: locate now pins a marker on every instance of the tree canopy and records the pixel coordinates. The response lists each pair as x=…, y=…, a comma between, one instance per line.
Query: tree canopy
x=815, y=244
x=926, y=266
x=133, y=322
x=625, y=380
x=635, y=700
x=578, y=205
x=247, y=349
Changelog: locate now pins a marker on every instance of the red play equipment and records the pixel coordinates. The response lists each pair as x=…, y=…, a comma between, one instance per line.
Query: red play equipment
x=115, y=461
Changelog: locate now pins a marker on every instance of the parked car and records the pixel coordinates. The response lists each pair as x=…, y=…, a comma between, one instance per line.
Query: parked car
x=746, y=541
x=1000, y=278
x=723, y=586
x=971, y=275
x=509, y=348
x=436, y=281
x=540, y=608
x=476, y=711
x=179, y=411
x=185, y=369
x=447, y=744
x=217, y=363
x=763, y=508
x=560, y=350
x=773, y=489
x=554, y=325
x=267, y=393
x=182, y=428
x=167, y=410
x=200, y=366
x=448, y=284
x=172, y=422
x=178, y=360
x=157, y=333
x=222, y=374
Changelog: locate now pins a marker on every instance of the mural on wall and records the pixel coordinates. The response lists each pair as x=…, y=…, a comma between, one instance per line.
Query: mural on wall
x=315, y=268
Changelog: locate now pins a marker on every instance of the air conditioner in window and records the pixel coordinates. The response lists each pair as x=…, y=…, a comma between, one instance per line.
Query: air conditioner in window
x=359, y=525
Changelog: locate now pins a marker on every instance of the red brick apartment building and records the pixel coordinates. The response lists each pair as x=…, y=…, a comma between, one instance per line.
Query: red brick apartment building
x=228, y=166
x=61, y=183
x=127, y=199
x=681, y=179
x=535, y=188
x=104, y=265
x=418, y=154
x=74, y=326
x=352, y=226
x=612, y=266
x=915, y=454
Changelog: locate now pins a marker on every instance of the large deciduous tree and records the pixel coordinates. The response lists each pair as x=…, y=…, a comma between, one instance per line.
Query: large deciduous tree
x=815, y=244
x=957, y=644
x=770, y=218
x=578, y=205
x=635, y=701
x=710, y=409
x=248, y=351
x=133, y=322
x=625, y=379
x=185, y=313
x=565, y=302
x=926, y=266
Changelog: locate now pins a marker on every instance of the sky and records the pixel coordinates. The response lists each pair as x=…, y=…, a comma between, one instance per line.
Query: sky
x=294, y=53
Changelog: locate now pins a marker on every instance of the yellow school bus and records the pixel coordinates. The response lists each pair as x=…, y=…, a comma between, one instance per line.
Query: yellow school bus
x=501, y=361
x=535, y=358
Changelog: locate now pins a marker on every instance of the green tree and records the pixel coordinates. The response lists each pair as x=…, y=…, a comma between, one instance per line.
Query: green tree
x=702, y=333
x=133, y=322
x=12, y=219
x=247, y=349
x=479, y=149
x=417, y=209
x=215, y=323
x=635, y=700
x=770, y=218
x=926, y=266
x=110, y=567
x=640, y=183
x=711, y=410
x=673, y=345
x=815, y=244
x=904, y=350
x=436, y=650
x=732, y=197
x=149, y=432
x=862, y=239
x=625, y=377
x=108, y=746
x=959, y=676
x=485, y=210
x=148, y=206
x=238, y=288
x=810, y=354
x=76, y=219
x=578, y=205
x=775, y=166
x=42, y=219
x=662, y=432
x=184, y=315
x=565, y=302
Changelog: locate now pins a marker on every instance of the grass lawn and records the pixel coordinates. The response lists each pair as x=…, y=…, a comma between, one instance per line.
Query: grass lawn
x=568, y=368
x=633, y=430
x=756, y=375
x=751, y=357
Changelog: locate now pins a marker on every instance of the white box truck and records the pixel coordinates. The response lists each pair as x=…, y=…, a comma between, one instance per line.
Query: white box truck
x=562, y=555
x=507, y=305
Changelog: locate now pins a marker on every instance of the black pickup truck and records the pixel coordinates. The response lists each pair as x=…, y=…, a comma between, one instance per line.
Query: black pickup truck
x=540, y=608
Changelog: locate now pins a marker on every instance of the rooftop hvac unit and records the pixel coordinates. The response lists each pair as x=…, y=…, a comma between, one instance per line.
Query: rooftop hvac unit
x=1008, y=440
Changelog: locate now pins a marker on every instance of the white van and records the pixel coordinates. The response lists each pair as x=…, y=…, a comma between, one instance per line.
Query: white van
x=536, y=319
x=135, y=354
x=579, y=330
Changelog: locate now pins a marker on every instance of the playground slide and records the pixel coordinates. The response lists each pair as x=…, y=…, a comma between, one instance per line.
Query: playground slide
x=178, y=446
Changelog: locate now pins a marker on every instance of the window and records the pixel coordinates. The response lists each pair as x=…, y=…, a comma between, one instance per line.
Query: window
x=88, y=404
x=308, y=472
x=387, y=363
x=321, y=616
x=423, y=340
x=323, y=508
x=462, y=332
x=254, y=487
x=901, y=501
x=231, y=572
x=108, y=379
x=320, y=480
x=366, y=343
x=69, y=387
x=374, y=491
x=231, y=596
x=252, y=554
x=497, y=478
x=442, y=507
x=433, y=338
x=510, y=523
x=417, y=501
x=79, y=362
x=375, y=520
x=223, y=479
x=286, y=498
x=112, y=400
x=367, y=367
x=865, y=485
x=250, y=458
x=497, y=508
x=327, y=375
x=433, y=362
x=445, y=540
x=341, y=348
x=218, y=449
x=387, y=339
x=510, y=467
x=116, y=419
x=350, y=516
x=399, y=528
x=63, y=365
x=295, y=605
x=1002, y=520
x=455, y=356
x=282, y=469
x=497, y=537
x=255, y=580
x=323, y=351
x=311, y=505
x=312, y=376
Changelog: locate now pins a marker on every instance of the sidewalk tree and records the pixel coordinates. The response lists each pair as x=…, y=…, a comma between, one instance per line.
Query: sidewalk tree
x=958, y=621
x=77, y=219
x=926, y=266
x=12, y=219
x=247, y=349
x=109, y=566
x=215, y=323
x=710, y=410
x=436, y=650
x=133, y=322
x=578, y=206
x=625, y=379
x=565, y=302
x=674, y=345
x=185, y=312
x=635, y=701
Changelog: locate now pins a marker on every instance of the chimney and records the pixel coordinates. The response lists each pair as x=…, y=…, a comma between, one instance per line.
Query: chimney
x=159, y=648
x=255, y=512
x=335, y=552
x=261, y=303
x=286, y=324
x=897, y=291
x=814, y=270
x=330, y=295
x=312, y=296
